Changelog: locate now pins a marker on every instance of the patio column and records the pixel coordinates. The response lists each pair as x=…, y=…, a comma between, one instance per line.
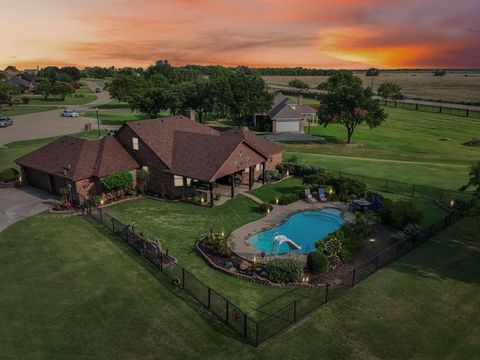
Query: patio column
x=263, y=173
x=232, y=187
x=211, y=195
x=251, y=170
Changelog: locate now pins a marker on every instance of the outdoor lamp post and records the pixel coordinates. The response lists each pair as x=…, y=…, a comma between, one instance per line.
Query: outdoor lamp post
x=98, y=122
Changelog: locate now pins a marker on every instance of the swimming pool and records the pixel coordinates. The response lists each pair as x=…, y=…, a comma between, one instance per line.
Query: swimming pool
x=303, y=228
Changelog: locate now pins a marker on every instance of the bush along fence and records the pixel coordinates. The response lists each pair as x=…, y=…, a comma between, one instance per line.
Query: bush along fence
x=253, y=331
x=449, y=110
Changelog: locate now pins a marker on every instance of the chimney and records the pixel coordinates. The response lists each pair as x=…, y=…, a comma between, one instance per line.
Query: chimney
x=190, y=114
x=300, y=99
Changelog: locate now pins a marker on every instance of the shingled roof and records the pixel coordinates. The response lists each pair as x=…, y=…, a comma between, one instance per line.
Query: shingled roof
x=194, y=150
x=76, y=159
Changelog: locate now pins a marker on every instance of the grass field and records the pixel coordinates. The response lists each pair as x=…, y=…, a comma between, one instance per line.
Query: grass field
x=413, y=147
x=453, y=87
x=27, y=109
x=14, y=150
x=89, y=295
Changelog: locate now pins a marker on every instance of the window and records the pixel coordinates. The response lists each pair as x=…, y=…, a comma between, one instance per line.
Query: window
x=145, y=168
x=135, y=143
x=189, y=181
x=177, y=180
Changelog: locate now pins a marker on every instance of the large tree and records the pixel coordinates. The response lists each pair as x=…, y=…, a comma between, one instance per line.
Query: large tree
x=373, y=73
x=62, y=89
x=198, y=96
x=6, y=93
x=349, y=104
x=44, y=88
x=388, y=90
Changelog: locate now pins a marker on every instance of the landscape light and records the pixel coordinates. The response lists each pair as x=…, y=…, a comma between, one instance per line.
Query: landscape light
x=372, y=240
x=331, y=191
x=254, y=260
x=222, y=233
x=452, y=203
x=288, y=173
x=276, y=201
x=268, y=211
x=101, y=202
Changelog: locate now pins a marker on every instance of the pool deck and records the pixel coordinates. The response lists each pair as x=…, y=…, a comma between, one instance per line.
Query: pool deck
x=280, y=213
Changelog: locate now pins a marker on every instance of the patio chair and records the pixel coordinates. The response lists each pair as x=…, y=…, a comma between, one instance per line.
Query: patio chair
x=309, y=197
x=321, y=195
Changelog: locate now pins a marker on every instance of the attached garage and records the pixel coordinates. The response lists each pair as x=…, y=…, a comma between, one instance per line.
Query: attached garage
x=37, y=179
x=287, y=125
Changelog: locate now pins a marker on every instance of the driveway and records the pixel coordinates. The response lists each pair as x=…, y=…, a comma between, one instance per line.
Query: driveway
x=18, y=204
x=294, y=137
x=50, y=123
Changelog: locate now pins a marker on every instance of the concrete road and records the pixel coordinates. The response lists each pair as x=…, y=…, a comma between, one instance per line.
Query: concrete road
x=18, y=204
x=50, y=123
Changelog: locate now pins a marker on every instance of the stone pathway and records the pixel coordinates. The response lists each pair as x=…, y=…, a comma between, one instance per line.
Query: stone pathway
x=252, y=197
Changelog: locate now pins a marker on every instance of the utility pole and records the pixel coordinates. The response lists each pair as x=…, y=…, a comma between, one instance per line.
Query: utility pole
x=98, y=122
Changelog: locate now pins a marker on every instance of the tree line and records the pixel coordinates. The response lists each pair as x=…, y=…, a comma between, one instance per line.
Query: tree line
x=236, y=94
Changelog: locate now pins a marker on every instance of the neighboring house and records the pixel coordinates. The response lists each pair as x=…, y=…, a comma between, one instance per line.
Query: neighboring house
x=75, y=163
x=18, y=81
x=180, y=154
x=287, y=116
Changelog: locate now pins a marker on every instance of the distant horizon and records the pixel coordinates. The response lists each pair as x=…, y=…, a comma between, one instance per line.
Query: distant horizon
x=254, y=67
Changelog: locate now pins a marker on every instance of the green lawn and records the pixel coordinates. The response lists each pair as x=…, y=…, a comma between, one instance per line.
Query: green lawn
x=27, y=109
x=16, y=149
x=84, y=96
x=179, y=225
x=447, y=176
x=88, y=295
x=115, y=113
x=405, y=135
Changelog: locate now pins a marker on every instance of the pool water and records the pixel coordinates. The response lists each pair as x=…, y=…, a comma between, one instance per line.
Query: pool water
x=304, y=228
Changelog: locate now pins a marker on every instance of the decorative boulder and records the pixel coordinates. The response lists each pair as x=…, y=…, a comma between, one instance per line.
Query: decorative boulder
x=244, y=265
x=232, y=269
x=228, y=264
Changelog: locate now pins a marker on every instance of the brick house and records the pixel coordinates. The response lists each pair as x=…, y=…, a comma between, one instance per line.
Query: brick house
x=180, y=154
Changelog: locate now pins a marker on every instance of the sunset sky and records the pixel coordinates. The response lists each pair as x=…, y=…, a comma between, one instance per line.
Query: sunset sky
x=309, y=33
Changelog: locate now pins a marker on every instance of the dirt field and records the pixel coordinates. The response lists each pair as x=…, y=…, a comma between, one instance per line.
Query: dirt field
x=452, y=87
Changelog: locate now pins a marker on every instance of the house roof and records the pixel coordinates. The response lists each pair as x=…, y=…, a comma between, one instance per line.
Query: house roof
x=17, y=80
x=76, y=159
x=279, y=98
x=303, y=109
x=284, y=111
x=197, y=151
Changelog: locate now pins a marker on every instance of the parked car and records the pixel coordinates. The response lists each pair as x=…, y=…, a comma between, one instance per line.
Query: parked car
x=98, y=90
x=5, y=121
x=69, y=113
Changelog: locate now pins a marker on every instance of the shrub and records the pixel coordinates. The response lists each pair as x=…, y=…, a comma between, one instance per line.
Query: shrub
x=289, y=198
x=9, y=174
x=117, y=184
x=284, y=270
x=317, y=263
x=143, y=177
x=405, y=212
x=272, y=175
x=25, y=99
x=95, y=200
x=398, y=237
x=411, y=229
x=299, y=84
x=266, y=207
x=297, y=169
x=347, y=186
x=220, y=243
x=317, y=180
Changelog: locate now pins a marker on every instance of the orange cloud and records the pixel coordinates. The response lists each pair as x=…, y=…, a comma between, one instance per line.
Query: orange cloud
x=313, y=33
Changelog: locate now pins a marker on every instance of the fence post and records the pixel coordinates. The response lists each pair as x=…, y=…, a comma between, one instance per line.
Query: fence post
x=441, y=194
x=101, y=216
x=398, y=250
x=326, y=293
x=256, y=335
x=183, y=278
x=161, y=261
x=113, y=224
x=416, y=106
x=376, y=263
x=353, y=277
x=295, y=311
x=226, y=313
x=440, y=109
x=209, y=298
x=413, y=190
x=467, y=113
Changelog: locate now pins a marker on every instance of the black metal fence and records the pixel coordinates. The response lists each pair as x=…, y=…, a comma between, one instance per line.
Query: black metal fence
x=253, y=331
x=465, y=112
x=407, y=189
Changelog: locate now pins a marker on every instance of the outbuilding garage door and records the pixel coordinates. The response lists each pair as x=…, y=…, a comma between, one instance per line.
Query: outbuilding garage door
x=37, y=179
x=288, y=126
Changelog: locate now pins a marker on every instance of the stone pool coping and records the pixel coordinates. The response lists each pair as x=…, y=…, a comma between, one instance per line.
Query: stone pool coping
x=280, y=213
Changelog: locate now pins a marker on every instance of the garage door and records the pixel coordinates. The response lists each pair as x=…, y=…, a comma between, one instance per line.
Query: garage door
x=288, y=126
x=37, y=179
